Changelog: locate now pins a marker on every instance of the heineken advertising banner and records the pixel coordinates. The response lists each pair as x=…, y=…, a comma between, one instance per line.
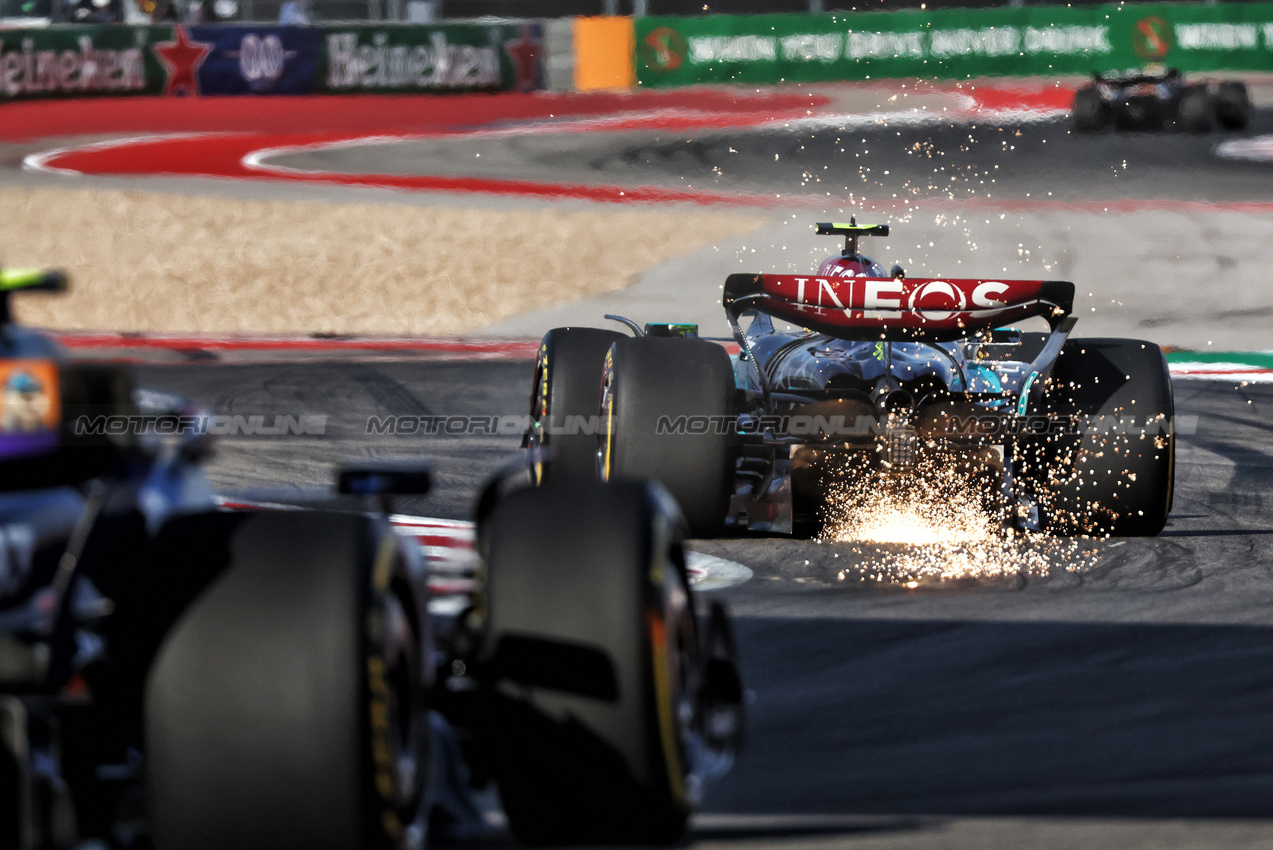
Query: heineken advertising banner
x=81, y=60
x=955, y=43
x=452, y=57
x=70, y=61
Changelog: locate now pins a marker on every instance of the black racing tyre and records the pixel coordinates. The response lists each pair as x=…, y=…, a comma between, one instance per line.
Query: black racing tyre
x=568, y=390
x=1195, y=112
x=1090, y=112
x=1111, y=472
x=665, y=406
x=11, y=792
x=284, y=708
x=589, y=650
x=1233, y=105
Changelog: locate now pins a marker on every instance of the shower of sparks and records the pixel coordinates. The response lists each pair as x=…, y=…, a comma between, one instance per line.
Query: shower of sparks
x=935, y=525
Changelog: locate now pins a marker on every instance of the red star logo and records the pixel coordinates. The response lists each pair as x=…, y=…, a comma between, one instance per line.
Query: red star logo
x=525, y=54
x=181, y=59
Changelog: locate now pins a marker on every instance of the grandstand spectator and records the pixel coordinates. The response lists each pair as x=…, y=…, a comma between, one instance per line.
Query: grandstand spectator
x=294, y=13
x=95, y=11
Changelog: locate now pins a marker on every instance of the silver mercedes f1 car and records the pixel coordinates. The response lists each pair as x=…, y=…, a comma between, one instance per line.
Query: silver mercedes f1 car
x=853, y=372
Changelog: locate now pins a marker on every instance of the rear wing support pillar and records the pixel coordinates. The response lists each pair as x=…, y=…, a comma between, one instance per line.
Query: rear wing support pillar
x=741, y=291
x=1041, y=366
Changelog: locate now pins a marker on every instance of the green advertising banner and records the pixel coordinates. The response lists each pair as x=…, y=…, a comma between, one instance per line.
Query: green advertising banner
x=953, y=44
x=67, y=61
x=446, y=57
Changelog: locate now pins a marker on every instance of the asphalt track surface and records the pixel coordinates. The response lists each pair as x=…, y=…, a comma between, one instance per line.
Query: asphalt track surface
x=906, y=158
x=1106, y=694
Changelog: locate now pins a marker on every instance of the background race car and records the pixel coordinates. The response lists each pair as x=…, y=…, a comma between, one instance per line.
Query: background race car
x=1157, y=100
x=903, y=382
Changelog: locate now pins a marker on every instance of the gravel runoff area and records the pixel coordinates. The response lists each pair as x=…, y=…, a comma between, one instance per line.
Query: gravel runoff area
x=162, y=262
x=173, y=263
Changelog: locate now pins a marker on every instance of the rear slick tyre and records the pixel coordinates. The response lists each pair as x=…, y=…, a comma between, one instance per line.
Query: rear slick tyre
x=1113, y=475
x=590, y=648
x=284, y=710
x=666, y=407
x=1090, y=114
x=1233, y=105
x=566, y=398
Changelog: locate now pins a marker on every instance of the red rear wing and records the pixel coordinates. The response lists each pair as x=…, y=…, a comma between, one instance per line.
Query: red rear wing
x=898, y=308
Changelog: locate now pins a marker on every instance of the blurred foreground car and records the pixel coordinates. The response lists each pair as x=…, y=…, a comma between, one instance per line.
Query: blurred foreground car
x=187, y=677
x=1158, y=99
x=875, y=374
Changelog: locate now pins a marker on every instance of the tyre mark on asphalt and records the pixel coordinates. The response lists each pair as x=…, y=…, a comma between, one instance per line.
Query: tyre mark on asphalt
x=395, y=398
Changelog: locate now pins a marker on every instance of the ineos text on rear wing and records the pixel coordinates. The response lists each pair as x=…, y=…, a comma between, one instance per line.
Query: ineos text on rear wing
x=919, y=309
